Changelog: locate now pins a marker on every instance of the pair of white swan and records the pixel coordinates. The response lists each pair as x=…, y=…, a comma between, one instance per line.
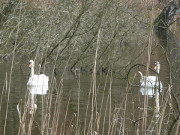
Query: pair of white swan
x=150, y=83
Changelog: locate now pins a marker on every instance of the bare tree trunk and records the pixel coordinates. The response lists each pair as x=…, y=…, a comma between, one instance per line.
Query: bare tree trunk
x=165, y=19
x=172, y=46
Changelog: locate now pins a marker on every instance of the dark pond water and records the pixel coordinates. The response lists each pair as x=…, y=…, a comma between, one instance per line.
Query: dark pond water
x=75, y=97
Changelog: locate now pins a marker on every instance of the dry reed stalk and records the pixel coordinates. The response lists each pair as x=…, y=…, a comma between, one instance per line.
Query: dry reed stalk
x=177, y=128
x=140, y=117
x=30, y=124
x=102, y=101
x=114, y=122
x=22, y=126
x=88, y=103
x=124, y=112
x=6, y=82
x=94, y=83
x=64, y=123
x=78, y=78
x=55, y=118
x=11, y=70
x=104, y=120
x=110, y=107
x=52, y=85
x=163, y=109
x=4, y=89
x=57, y=108
x=70, y=128
x=169, y=112
x=98, y=122
x=93, y=89
x=125, y=104
x=44, y=114
x=144, y=123
x=49, y=105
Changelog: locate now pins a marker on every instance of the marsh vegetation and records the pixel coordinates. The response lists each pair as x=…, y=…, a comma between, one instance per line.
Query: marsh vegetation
x=92, y=51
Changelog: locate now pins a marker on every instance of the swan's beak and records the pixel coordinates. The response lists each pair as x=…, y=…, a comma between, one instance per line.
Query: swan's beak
x=30, y=65
x=155, y=68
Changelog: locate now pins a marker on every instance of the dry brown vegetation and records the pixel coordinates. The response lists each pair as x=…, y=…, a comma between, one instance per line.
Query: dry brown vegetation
x=115, y=37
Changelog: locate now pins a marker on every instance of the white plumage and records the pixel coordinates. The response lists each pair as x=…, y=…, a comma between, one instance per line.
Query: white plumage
x=150, y=83
x=37, y=84
x=38, y=80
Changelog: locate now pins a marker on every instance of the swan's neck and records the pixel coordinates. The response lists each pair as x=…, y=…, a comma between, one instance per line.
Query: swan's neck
x=158, y=69
x=32, y=70
x=140, y=74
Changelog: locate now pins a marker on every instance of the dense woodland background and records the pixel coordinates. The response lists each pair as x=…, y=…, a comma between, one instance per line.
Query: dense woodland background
x=64, y=31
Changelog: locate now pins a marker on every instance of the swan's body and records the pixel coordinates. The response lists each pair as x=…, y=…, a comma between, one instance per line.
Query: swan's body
x=150, y=83
x=38, y=80
x=37, y=84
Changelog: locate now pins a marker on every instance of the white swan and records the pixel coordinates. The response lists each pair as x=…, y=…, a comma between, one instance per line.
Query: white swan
x=37, y=84
x=150, y=82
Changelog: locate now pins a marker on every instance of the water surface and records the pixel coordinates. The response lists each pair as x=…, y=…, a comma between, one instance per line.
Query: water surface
x=76, y=95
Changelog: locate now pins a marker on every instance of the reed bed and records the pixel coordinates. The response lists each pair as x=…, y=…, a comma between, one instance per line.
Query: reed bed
x=99, y=114
x=87, y=37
